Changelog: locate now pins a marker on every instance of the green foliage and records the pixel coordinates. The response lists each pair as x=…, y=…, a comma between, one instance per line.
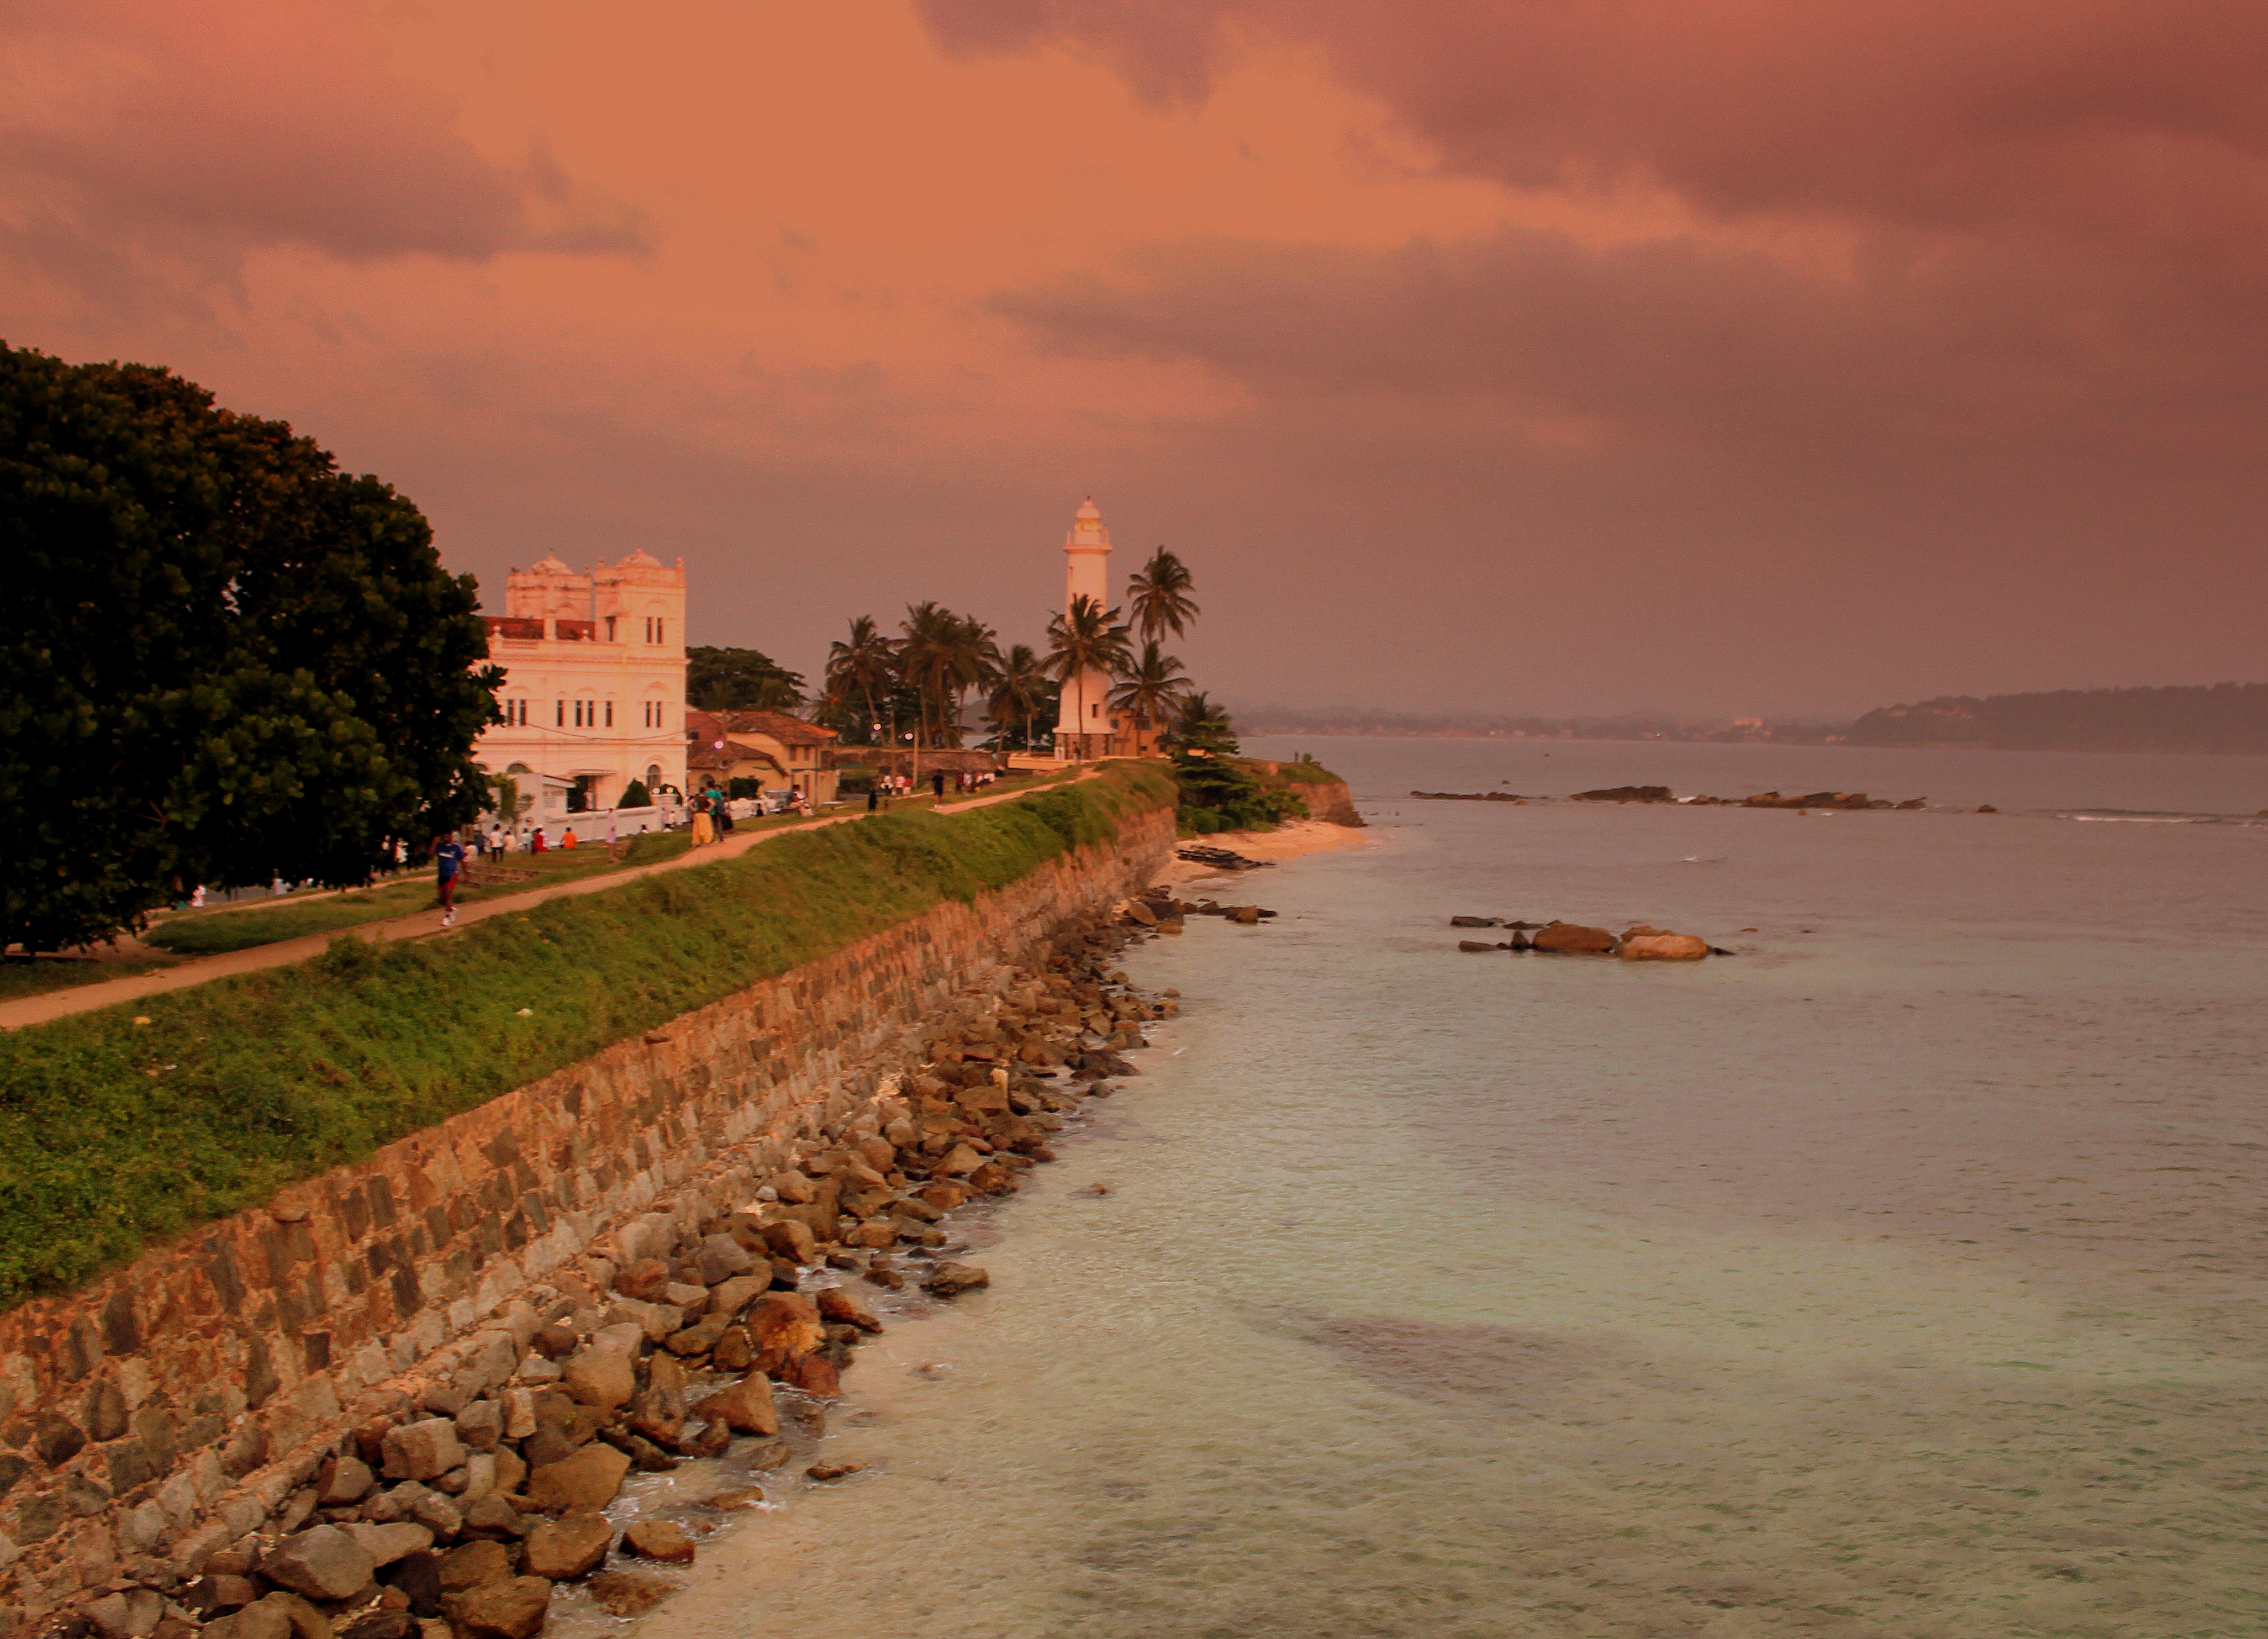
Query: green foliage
x=112, y=1134
x=225, y=659
x=739, y=680
x=506, y=801
x=634, y=795
x=744, y=785
x=1222, y=794
x=1202, y=725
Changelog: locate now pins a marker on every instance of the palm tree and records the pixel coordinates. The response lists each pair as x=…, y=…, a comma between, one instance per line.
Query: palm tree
x=928, y=656
x=1084, y=639
x=1203, y=727
x=1150, y=687
x=1019, y=686
x=865, y=664
x=1160, y=596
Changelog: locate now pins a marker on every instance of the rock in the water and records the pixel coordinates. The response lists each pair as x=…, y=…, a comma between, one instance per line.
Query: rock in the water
x=1473, y=921
x=747, y=1408
x=1573, y=938
x=740, y=1497
x=836, y=1303
x=571, y=1546
x=514, y=1609
x=660, y=1539
x=322, y=1564
x=951, y=1280
x=1474, y=945
x=625, y=1593
x=589, y=1479
x=785, y=1321
x=832, y=1471
x=1663, y=947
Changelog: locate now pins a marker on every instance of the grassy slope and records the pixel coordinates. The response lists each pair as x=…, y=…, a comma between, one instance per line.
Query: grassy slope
x=114, y=1135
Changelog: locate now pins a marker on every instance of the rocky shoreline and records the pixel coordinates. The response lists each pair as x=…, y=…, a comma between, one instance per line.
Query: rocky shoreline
x=476, y=1504
x=1852, y=800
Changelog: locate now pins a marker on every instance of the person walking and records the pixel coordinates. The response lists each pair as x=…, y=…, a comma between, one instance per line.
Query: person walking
x=448, y=859
x=705, y=830
x=873, y=796
x=936, y=785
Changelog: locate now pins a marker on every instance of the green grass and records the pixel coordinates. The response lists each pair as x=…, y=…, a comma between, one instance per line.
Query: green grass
x=114, y=1135
x=227, y=927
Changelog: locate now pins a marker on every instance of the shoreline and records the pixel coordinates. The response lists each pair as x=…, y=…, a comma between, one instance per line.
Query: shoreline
x=1293, y=839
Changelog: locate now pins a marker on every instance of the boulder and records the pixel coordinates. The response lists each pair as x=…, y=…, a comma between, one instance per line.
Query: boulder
x=1663, y=947
x=958, y=1162
x=658, y=1540
x=625, y=1593
x=993, y=1178
x=481, y=1425
x=815, y=1373
x=589, y=1479
x=342, y=1481
x=1138, y=912
x=514, y=1609
x=381, y=1624
x=836, y=1303
x=473, y=1564
x=385, y=1544
x=792, y=1240
x=658, y=1414
x=1573, y=938
x=424, y=1449
x=747, y=1408
x=721, y=1257
x=602, y=1374
x=571, y=1546
x=494, y=1518
x=645, y=1280
x=322, y=1564
x=738, y=1497
x=951, y=1280
x=1471, y=945
x=787, y=1321
x=736, y=1294
x=795, y=1188
x=253, y=1621
x=1474, y=921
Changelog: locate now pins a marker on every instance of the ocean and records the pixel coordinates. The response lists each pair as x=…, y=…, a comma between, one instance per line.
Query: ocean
x=1897, y=1275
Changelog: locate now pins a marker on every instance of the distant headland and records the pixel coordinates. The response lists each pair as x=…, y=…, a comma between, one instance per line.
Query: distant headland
x=2228, y=719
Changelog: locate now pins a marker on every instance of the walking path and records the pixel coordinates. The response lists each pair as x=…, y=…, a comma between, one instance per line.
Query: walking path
x=198, y=969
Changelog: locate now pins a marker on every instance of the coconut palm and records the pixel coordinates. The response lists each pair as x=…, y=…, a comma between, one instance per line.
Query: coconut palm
x=1203, y=727
x=1084, y=639
x=863, y=667
x=1020, y=687
x=944, y=655
x=1150, y=687
x=1159, y=594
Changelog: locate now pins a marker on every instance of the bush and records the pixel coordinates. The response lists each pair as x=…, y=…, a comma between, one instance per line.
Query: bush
x=634, y=795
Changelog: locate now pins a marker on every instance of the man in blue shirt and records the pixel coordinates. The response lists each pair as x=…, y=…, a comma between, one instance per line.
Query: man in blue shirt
x=449, y=860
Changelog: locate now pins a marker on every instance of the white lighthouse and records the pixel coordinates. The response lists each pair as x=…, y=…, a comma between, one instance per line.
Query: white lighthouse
x=1084, y=726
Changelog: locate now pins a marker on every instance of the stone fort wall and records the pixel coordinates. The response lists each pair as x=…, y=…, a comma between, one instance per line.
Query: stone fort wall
x=170, y=1408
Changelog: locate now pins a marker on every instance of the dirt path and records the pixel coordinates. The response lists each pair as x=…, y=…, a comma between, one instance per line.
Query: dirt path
x=419, y=924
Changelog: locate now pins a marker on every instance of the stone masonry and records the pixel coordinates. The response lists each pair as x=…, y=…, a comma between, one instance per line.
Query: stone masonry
x=182, y=1402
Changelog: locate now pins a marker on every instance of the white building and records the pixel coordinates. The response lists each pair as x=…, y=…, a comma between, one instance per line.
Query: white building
x=593, y=694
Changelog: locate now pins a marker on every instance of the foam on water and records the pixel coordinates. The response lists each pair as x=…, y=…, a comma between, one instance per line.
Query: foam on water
x=1901, y=1275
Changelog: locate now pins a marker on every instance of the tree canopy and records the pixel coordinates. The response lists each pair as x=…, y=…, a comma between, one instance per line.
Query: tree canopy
x=739, y=680
x=225, y=660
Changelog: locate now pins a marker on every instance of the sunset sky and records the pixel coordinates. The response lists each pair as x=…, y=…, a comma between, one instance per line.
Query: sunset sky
x=1719, y=356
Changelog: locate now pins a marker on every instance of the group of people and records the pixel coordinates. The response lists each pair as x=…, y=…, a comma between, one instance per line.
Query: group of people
x=712, y=811
x=895, y=786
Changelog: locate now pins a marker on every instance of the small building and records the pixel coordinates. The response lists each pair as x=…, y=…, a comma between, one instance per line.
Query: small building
x=593, y=694
x=778, y=751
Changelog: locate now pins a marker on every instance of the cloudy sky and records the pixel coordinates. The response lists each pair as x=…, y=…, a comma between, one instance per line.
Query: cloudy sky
x=1721, y=356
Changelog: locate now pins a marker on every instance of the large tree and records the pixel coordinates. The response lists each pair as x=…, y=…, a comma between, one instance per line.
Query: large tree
x=222, y=658
x=1086, y=638
x=1159, y=595
x=739, y=680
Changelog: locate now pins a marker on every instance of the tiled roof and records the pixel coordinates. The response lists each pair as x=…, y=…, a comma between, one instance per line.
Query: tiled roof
x=775, y=725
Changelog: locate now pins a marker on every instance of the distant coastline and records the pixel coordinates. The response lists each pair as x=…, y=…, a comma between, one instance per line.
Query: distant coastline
x=2219, y=720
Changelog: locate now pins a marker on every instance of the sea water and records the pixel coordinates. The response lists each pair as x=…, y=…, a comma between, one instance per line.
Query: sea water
x=1899, y=1276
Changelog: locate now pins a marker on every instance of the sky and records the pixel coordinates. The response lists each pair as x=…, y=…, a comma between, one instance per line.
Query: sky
x=1722, y=356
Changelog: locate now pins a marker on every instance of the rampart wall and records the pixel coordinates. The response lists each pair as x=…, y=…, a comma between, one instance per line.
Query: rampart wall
x=182, y=1402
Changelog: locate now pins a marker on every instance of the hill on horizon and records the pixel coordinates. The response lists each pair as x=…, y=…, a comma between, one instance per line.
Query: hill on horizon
x=2221, y=717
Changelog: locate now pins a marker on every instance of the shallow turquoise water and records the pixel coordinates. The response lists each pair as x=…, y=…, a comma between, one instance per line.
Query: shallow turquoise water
x=1900, y=1276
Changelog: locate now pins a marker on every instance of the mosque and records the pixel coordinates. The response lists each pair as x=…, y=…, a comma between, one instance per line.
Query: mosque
x=593, y=696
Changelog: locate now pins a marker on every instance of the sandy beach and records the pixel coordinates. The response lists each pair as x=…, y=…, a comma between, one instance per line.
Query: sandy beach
x=1288, y=841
